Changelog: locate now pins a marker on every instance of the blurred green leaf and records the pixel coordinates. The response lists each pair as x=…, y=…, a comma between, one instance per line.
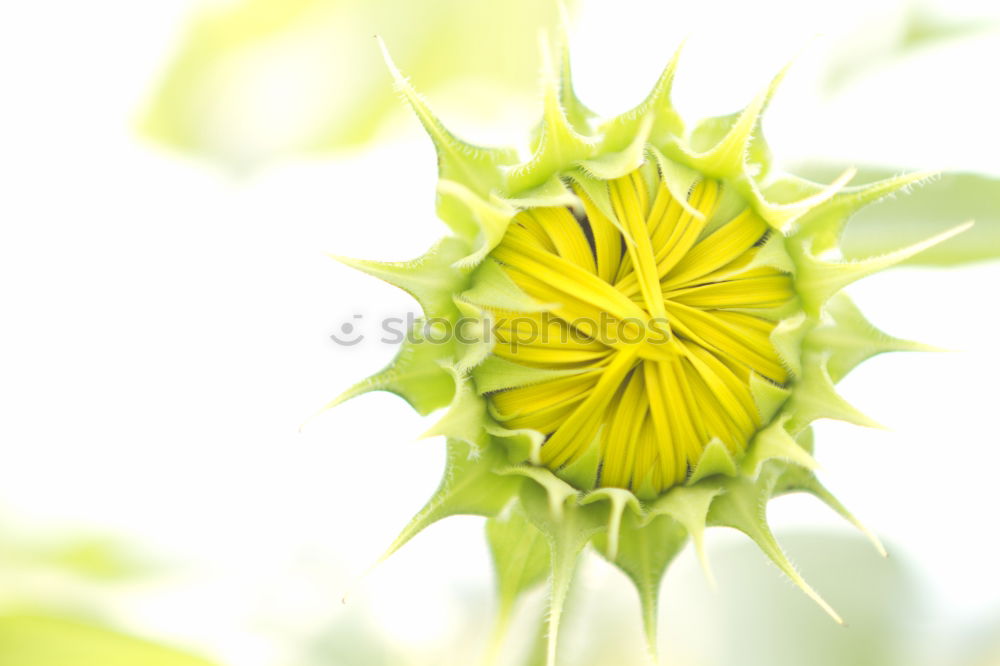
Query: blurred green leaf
x=93, y=558
x=63, y=573
x=37, y=640
x=896, y=35
x=924, y=28
x=767, y=624
x=352, y=639
x=980, y=647
x=929, y=209
x=260, y=79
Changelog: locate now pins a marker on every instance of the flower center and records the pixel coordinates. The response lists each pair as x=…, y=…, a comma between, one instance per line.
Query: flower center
x=654, y=327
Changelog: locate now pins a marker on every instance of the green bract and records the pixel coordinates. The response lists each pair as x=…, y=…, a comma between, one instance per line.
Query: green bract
x=722, y=405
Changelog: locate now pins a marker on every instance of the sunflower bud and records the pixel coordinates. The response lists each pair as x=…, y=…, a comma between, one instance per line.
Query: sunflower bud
x=651, y=319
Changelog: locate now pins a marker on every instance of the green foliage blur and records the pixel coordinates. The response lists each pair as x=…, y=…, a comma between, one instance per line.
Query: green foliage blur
x=52, y=597
x=264, y=79
x=39, y=640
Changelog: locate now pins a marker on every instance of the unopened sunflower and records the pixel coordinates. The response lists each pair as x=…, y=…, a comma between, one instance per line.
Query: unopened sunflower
x=632, y=330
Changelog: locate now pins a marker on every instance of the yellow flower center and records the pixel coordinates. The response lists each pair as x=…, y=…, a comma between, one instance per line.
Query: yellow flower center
x=655, y=325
